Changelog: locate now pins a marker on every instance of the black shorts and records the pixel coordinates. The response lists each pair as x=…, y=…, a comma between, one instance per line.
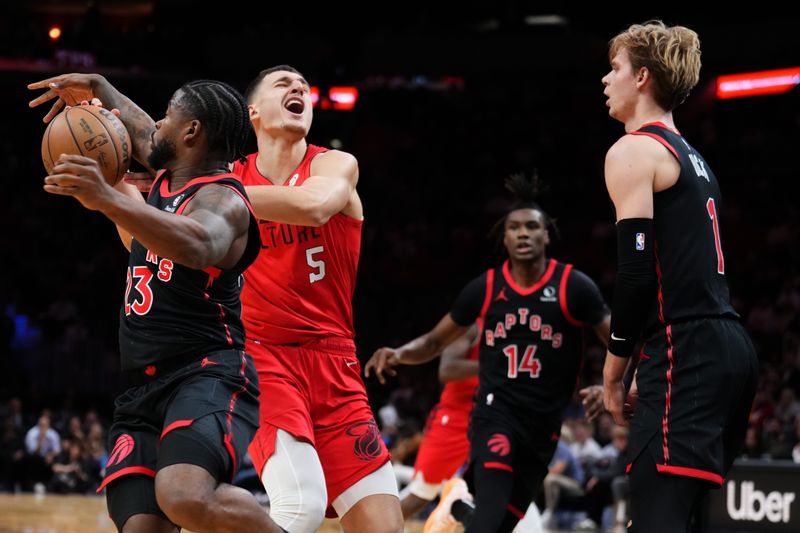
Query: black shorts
x=696, y=383
x=501, y=441
x=204, y=413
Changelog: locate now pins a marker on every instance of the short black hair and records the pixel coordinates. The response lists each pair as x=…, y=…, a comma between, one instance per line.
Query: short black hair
x=223, y=112
x=264, y=73
x=526, y=191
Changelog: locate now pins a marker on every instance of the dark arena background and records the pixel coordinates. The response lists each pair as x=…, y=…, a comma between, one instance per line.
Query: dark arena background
x=449, y=99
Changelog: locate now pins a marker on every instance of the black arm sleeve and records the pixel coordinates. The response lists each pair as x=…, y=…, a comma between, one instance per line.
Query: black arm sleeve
x=584, y=300
x=468, y=305
x=635, y=285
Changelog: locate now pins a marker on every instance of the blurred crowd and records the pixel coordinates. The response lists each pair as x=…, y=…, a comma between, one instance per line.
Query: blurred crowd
x=61, y=451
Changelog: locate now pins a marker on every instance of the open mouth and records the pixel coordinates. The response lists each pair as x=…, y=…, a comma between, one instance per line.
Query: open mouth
x=524, y=248
x=295, y=105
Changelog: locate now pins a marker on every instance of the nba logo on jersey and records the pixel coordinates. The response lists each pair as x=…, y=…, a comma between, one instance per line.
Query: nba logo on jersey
x=640, y=241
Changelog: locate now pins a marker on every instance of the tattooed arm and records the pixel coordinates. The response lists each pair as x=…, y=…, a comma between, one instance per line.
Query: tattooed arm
x=212, y=231
x=72, y=89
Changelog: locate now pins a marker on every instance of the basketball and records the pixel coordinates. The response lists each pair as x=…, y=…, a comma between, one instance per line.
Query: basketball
x=90, y=131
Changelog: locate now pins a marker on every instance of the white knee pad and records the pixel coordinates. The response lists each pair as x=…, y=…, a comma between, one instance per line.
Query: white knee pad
x=381, y=481
x=295, y=485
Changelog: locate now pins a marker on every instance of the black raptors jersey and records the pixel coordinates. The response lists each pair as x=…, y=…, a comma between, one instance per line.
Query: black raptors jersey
x=690, y=265
x=174, y=311
x=531, y=343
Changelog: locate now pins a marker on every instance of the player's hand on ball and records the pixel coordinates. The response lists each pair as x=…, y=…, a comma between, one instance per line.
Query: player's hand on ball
x=80, y=177
x=383, y=360
x=69, y=89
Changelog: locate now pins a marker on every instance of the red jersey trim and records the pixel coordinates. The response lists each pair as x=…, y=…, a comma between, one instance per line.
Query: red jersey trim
x=691, y=472
x=124, y=472
x=488, y=298
x=659, y=139
x=562, y=298
x=536, y=286
x=228, y=439
x=175, y=425
x=516, y=512
x=668, y=400
x=159, y=175
x=498, y=466
x=660, y=125
x=660, y=286
x=164, y=186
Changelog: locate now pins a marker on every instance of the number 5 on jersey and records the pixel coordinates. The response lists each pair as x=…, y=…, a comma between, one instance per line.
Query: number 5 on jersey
x=317, y=264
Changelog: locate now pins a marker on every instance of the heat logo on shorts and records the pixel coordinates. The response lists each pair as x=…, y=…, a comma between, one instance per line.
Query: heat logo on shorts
x=499, y=444
x=367, y=445
x=122, y=449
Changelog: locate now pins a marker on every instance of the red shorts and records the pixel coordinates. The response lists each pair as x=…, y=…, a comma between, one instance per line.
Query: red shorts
x=445, y=446
x=315, y=393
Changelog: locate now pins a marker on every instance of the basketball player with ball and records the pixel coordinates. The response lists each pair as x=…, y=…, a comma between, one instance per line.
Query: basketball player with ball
x=180, y=432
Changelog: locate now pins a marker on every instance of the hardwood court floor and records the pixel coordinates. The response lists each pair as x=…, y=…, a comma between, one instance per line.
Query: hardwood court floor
x=51, y=513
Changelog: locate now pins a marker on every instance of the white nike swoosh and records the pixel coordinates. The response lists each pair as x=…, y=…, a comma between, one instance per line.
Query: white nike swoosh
x=615, y=338
x=351, y=363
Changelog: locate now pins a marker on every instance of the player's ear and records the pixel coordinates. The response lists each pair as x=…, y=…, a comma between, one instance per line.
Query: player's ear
x=642, y=76
x=252, y=111
x=192, y=130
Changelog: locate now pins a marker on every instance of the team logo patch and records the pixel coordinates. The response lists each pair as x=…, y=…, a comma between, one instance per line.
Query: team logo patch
x=548, y=294
x=122, y=449
x=367, y=445
x=640, y=241
x=499, y=444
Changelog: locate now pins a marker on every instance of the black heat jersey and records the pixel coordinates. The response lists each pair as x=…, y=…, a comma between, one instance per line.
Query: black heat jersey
x=531, y=343
x=173, y=311
x=690, y=265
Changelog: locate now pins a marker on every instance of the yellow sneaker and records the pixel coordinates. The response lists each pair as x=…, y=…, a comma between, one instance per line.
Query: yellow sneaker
x=440, y=520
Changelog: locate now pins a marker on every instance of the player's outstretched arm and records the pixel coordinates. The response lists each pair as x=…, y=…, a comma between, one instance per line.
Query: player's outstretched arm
x=453, y=364
x=415, y=352
x=324, y=194
x=72, y=89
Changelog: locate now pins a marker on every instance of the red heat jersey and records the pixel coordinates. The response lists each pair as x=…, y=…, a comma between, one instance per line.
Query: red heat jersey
x=301, y=286
x=461, y=394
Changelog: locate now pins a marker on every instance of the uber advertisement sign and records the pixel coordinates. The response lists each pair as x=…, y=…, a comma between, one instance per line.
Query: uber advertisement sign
x=757, y=496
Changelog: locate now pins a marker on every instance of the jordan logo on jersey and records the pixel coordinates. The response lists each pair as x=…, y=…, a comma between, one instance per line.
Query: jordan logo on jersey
x=501, y=295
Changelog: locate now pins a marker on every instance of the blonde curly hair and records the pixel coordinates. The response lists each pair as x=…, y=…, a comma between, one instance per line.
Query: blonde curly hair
x=670, y=53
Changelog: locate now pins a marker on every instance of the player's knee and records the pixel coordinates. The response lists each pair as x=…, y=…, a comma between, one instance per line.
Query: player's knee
x=300, y=511
x=185, y=504
x=146, y=523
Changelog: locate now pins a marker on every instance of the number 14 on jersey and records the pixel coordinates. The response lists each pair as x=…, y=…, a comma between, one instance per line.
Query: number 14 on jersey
x=528, y=364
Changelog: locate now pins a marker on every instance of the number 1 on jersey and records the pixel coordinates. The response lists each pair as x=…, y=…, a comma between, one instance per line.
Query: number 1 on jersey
x=712, y=213
x=318, y=264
